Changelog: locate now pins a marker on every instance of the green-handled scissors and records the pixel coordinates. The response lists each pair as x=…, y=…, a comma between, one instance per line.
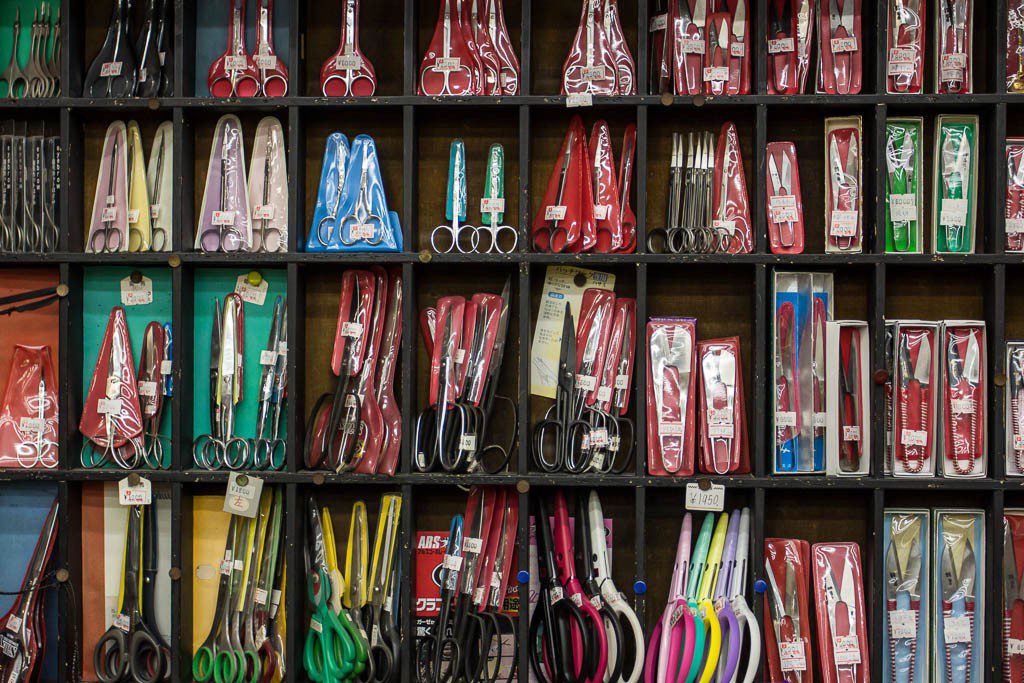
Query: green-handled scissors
x=328, y=654
x=901, y=170
x=217, y=639
x=357, y=557
x=357, y=654
x=229, y=662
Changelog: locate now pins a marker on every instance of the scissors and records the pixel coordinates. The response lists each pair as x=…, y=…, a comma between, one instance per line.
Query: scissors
x=13, y=76
x=221, y=447
x=962, y=441
x=222, y=235
x=328, y=654
x=554, y=228
x=841, y=26
x=160, y=221
x=458, y=234
x=782, y=185
x=356, y=574
x=740, y=620
x=348, y=73
x=205, y=664
x=336, y=157
x=558, y=439
x=787, y=391
x=384, y=641
x=149, y=79
x=445, y=69
x=845, y=190
x=267, y=235
x=907, y=24
x=675, y=636
x=268, y=447
x=107, y=234
x=838, y=599
x=489, y=233
x=356, y=647
x=957, y=586
x=954, y=14
x=850, y=401
x=363, y=224
x=36, y=75
x=151, y=393
x=913, y=411
x=40, y=449
x=902, y=590
x=234, y=73
x=23, y=623
x=436, y=653
x=901, y=174
x=273, y=75
x=130, y=649
x=956, y=170
x=672, y=353
x=784, y=611
x=114, y=71
x=707, y=553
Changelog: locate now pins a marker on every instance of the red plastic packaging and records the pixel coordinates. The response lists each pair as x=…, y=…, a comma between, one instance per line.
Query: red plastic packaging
x=906, y=33
x=487, y=55
x=839, y=605
x=592, y=333
x=671, y=396
x=781, y=556
x=625, y=67
x=1013, y=619
x=840, y=56
x=119, y=398
x=843, y=219
x=448, y=67
x=616, y=378
x=391, y=412
x=723, y=423
x=628, y=218
x=687, y=39
x=790, y=29
x=452, y=307
x=355, y=330
x=731, y=204
x=954, y=62
x=371, y=421
x=914, y=406
x=1015, y=46
x=607, y=210
x=784, y=204
x=590, y=66
x=564, y=222
x=964, y=389
x=28, y=415
x=1015, y=195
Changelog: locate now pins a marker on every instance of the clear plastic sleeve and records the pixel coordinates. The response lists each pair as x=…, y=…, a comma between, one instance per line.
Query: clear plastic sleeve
x=839, y=606
x=906, y=32
x=671, y=396
x=965, y=399
x=958, y=604
x=915, y=405
x=784, y=203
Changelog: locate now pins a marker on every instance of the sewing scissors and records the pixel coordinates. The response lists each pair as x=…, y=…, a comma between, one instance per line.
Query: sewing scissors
x=13, y=76
x=445, y=73
x=328, y=653
x=902, y=589
x=446, y=237
x=440, y=425
x=845, y=190
x=268, y=447
x=957, y=586
x=363, y=224
x=562, y=426
x=110, y=237
x=489, y=233
x=38, y=450
x=234, y=73
x=273, y=76
x=785, y=610
x=266, y=238
x=956, y=170
x=348, y=73
x=436, y=654
x=222, y=234
x=782, y=185
x=205, y=661
x=129, y=649
x=383, y=640
x=151, y=394
x=160, y=224
x=221, y=447
x=844, y=594
x=900, y=167
x=841, y=26
x=113, y=72
x=554, y=228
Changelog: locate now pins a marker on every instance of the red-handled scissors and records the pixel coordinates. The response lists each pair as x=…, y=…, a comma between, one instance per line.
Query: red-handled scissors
x=446, y=66
x=273, y=72
x=348, y=73
x=234, y=73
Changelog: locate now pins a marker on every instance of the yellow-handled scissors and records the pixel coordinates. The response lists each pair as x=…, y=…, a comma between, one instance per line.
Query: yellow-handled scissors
x=356, y=561
x=706, y=608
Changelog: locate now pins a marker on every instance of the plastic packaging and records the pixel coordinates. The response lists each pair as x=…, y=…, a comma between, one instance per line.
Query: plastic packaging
x=160, y=182
x=268, y=188
x=1015, y=195
x=784, y=202
x=841, y=618
x=625, y=67
x=844, y=197
x=965, y=399
x=1014, y=400
x=347, y=72
x=915, y=400
x=139, y=231
x=671, y=396
x=564, y=221
x=1015, y=46
x=840, y=47
x=906, y=537
x=904, y=188
x=790, y=31
x=590, y=65
x=363, y=222
x=907, y=29
x=890, y=373
x=958, y=601
x=28, y=415
x=955, y=184
x=108, y=225
x=607, y=209
x=731, y=204
x=787, y=624
x=1011, y=610
x=954, y=64
x=848, y=447
x=224, y=219
x=628, y=218
x=723, y=421
x=323, y=232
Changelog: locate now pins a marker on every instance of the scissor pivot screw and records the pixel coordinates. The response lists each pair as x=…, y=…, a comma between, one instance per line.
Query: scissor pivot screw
x=63, y=290
x=425, y=256
x=667, y=99
x=174, y=261
x=62, y=575
x=174, y=573
x=881, y=376
x=999, y=380
x=136, y=277
x=318, y=479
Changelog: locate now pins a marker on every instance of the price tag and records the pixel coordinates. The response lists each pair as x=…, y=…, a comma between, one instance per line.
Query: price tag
x=136, y=293
x=599, y=438
x=586, y=382
x=792, y=657
x=846, y=649
x=467, y=442
x=729, y=226
x=260, y=596
x=263, y=212
x=1015, y=18
x=956, y=629
x=9, y=646
x=492, y=205
x=659, y=22
x=110, y=69
x=472, y=545
x=268, y=357
x=902, y=624
x=140, y=494
x=448, y=64
x=716, y=73
x=32, y=425
x=579, y=99
x=670, y=428
x=1014, y=226
x=108, y=406
x=780, y=45
x=234, y=62
x=362, y=231
x=961, y=406
x=352, y=330
x=166, y=367
x=147, y=388
x=900, y=69
x=242, y=497
x=223, y=218
x=604, y=394
x=820, y=420
x=953, y=213
x=737, y=50
x=844, y=223
x=721, y=431
x=577, y=599
x=314, y=624
x=848, y=44
x=601, y=212
x=782, y=208
x=108, y=214
x=348, y=62
x=594, y=73
x=903, y=208
x=785, y=418
x=14, y=623
x=133, y=215
x=154, y=211
x=478, y=594
x=265, y=61
x=709, y=500
x=851, y=433
x=556, y=594
x=622, y=382
x=956, y=62
x=692, y=46
x=1014, y=646
x=1018, y=442
x=902, y=55
x=452, y=562
x=251, y=294
x=554, y=213
x=914, y=437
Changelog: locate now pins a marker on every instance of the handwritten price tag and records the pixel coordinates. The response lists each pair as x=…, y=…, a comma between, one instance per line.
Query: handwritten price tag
x=903, y=208
x=579, y=99
x=844, y=44
x=594, y=73
x=844, y=224
x=780, y=45
x=711, y=499
x=110, y=69
x=448, y=64
x=243, y=495
x=250, y=293
x=782, y=209
x=902, y=624
x=554, y=213
x=140, y=494
x=223, y=218
x=136, y=293
x=348, y=62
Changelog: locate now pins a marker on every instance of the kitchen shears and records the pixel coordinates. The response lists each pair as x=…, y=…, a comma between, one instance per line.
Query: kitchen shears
x=377, y=619
x=234, y=73
x=268, y=448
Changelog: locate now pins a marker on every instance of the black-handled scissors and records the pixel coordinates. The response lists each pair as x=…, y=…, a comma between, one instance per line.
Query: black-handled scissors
x=439, y=427
x=437, y=652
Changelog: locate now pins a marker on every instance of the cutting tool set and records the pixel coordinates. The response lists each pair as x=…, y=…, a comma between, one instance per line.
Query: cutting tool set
x=358, y=425
x=30, y=190
x=465, y=339
x=123, y=409
x=701, y=48
x=586, y=206
x=40, y=75
x=707, y=628
x=244, y=640
x=353, y=631
x=127, y=67
x=599, y=60
x=906, y=31
x=470, y=52
x=708, y=207
x=240, y=212
x=133, y=206
x=236, y=73
x=840, y=46
x=695, y=402
x=587, y=429
x=351, y=212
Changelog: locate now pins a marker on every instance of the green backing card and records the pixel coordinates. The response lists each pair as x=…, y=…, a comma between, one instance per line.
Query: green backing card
x=914, y=244
x=8, y=10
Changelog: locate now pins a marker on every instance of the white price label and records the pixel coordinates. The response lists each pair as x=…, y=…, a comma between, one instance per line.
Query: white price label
x=108, y=406
x=110, y=69
x=250, y=293
x=108, y=214
x=32, y=425
x=586, y=382
x=737, y=50
x=729, y=226
x=1014, y=226
x=1014, y=647
x=670, y=428
x=473, y=545
x=783, y=209
x=721, y=431
x=785, y=418
x=452, y=562
x=577, y=599
x=242, y=495
x=14, y=623
x=154, y=211
x=659, y=22
x=136, y=293
x=9, y=647
x=820, y=420
x=123, y=622
x=903, y=208
x=593, y=73
x=719, y=416
x=467, y=442
x=265, y=61
x=961, y=406
x=264, y=212
x=692, y=46
x=362, y=231
x=604, y=394
x=556, y=594
x=953, y=213
x=314, y=624
x=622, y=382
x=554, y=213
x=223, y=218
x=601, y=212
x=133, y=215
x=848, y=44
x=914, y=437
x=902, y=624
x=900, y=69
x=260, y=596
x=147, y=388
x=716, y=73
x=352, y=330
x=956, y=61
x=166, y=367
x=268, y=356
x=579, y=99
x=599, y=438
x=711, y=499
x=448, y=64
x=780, y=45
x=844, y=223
x=956, y=629
x=792, y=657
x=234, y=62
x=1018, y=442
x=348, y=62
x=492, y=205
x=902, y=55
x=846, y=649
x=851, y=433
x=139, y=494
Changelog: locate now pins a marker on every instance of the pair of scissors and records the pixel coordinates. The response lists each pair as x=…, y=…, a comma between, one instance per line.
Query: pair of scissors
x=222, y=234
x=737, y=619
x=901, y=173
x=782, y=186
x=268, y=448
x=108, y=233
x=957, y=589
x=674, y=638
x=149, y=50
x=273, y=75
x=23, y=629
x=787, y=391
x=348, y=73
x=840, y=22
x=845, y=189
x=160, y=163
x=220, y=447
x=457, y=234
x=114, y=71
x=268, y=234
x=151, y=392
x=446, y=66
x=234, y=73
x=493, y=235
x=914, y=400
x=206, y=661
x=378, y=610
x=850, y=402
x=558, y=439
x=41, y=81
x=437, y=653
x=956, y=174
x=442, y=424
x=132, y=649
x=906, y=28
x=363, y=224
x=671, y=351
x=784, y=610
x=903, y=590
x=13, y=76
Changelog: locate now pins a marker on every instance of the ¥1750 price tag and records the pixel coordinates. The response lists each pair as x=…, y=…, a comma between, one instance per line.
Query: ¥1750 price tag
x=711, y=499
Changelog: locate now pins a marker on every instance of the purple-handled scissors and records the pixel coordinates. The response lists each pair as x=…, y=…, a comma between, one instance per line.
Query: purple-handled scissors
x=672, y=642
x=732, y=637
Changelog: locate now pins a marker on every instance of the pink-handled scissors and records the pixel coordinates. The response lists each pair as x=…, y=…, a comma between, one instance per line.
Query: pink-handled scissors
x=673, y=641
x=234, y=73
x=348, y=73
x=273, y=72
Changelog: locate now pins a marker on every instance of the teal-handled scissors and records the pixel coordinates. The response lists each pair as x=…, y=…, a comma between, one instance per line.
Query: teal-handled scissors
x=327, y=654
